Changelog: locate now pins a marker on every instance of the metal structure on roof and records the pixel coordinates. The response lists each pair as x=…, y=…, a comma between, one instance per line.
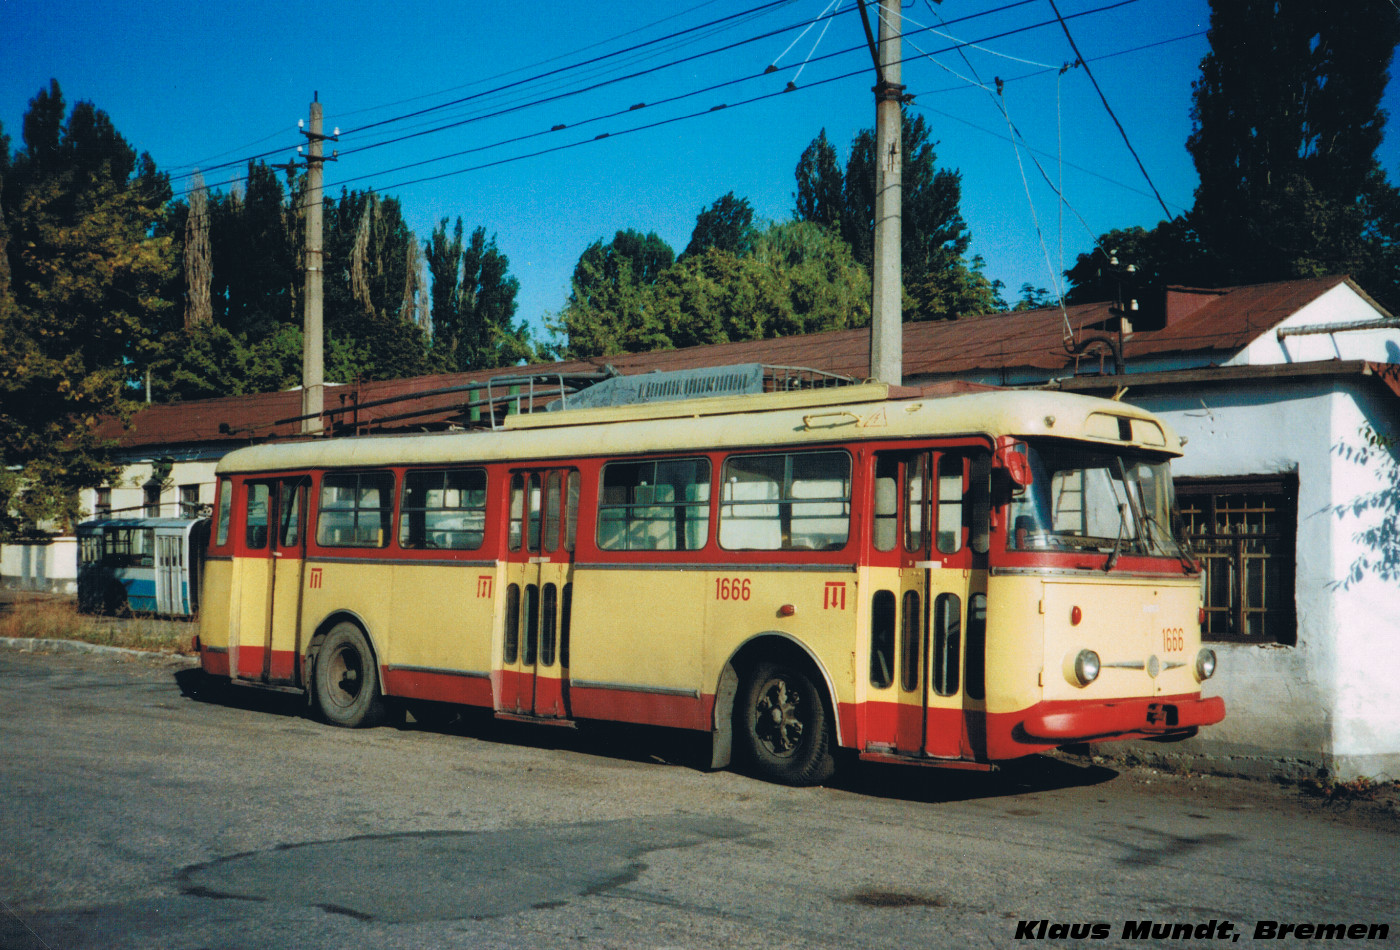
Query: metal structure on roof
x=742, y=380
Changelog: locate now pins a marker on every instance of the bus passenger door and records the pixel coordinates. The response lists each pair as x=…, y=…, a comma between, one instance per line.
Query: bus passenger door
x=539, y=593
x=170, y=573
x=939, y=649
x=275, y=544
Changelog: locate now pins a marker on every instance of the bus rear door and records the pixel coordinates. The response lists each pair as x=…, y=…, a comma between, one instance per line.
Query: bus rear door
x=539, y=593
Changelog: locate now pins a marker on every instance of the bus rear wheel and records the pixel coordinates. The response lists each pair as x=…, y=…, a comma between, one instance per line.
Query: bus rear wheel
x=784, y=731
x=347, y=682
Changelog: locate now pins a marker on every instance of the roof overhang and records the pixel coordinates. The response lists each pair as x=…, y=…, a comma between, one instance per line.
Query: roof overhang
x=1387, y=374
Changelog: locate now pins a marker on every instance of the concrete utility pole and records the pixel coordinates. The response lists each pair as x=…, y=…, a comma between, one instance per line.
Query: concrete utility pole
x=886, y=308
x=312, y=360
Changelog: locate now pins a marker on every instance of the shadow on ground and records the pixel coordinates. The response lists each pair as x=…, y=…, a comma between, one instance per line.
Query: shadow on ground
x=676, y=747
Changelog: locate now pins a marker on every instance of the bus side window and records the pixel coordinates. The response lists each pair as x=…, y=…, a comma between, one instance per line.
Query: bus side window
x=258, y=513
x=225, y=511
x=947, y=643
x=886, y=501
x=950, y=504
x=976, y=646
x=795, y=502
x=882, y=639
x=355, y=509
x=289, y=505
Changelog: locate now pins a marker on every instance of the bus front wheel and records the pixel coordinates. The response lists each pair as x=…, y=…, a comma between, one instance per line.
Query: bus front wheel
x=347, y=683
x=784, y=730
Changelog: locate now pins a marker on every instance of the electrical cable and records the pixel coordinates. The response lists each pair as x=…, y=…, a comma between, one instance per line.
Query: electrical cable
x=1088, y=72
x=847, y=51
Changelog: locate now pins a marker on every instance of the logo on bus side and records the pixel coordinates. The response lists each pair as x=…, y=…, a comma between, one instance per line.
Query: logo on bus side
x=314, y=581
x=485, y=584
x=834, y=597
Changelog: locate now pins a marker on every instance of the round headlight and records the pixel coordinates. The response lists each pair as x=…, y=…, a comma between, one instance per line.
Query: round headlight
x=1086, y=667
x=1205, y=665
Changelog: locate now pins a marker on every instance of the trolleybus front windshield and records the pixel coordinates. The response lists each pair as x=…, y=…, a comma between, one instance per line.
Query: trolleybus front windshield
x=1082, y=498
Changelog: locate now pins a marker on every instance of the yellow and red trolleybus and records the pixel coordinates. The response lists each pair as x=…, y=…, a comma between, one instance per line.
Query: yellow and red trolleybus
x=954, y=579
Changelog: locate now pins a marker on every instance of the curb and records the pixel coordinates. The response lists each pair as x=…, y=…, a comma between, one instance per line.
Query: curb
x=36, y=645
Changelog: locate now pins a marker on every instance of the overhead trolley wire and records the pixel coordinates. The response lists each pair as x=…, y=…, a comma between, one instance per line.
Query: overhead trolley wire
x=849, y=75
x=1104, y=99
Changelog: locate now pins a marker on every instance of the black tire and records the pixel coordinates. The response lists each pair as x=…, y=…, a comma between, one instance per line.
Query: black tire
x=347, y=680
x=782, y=726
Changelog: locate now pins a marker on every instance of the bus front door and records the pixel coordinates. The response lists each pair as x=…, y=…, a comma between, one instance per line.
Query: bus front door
x=534, y=677
x=942, y=574
x=269, y=639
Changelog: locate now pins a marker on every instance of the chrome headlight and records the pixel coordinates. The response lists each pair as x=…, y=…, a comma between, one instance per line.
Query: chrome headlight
x=1083, y=668
x=1205, y=665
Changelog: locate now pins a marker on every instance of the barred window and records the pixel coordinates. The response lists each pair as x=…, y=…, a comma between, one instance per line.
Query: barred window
x=1244, y=532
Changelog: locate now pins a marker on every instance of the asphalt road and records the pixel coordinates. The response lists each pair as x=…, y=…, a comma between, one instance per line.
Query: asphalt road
x=136, y=813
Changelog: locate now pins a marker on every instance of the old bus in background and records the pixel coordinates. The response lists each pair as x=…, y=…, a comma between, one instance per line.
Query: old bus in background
x=940, y=577
x=147, y=565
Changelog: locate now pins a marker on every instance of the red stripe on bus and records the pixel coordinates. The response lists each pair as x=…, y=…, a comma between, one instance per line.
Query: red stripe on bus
x=438, y=687
x=656, y=709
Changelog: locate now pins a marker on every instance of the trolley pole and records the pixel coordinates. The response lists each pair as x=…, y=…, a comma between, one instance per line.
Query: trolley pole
x=886, y=309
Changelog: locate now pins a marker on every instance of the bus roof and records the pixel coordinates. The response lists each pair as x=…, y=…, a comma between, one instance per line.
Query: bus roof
x=97, y=524
x=847, y=414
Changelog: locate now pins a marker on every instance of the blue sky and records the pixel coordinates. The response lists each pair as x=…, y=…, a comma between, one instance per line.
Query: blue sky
x=204, y=84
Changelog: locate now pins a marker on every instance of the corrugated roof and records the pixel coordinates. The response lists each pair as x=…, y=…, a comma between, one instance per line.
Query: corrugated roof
x=1027, y=340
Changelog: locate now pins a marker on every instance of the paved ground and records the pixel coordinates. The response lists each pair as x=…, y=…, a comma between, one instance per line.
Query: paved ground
x=141, y=812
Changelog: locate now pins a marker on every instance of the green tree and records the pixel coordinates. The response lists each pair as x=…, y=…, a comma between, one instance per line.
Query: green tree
x=819, y=184
x=1287, y=121
x=800, y=278
x=1170, y=253
x=82, y=285
x=938, y=282
x=256, y=274
x=727, y=225
x=369, y=251
x=611, y=305
x=474, y=302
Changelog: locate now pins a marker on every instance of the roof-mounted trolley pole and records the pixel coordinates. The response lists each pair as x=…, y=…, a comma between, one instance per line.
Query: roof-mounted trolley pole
x=886, y=327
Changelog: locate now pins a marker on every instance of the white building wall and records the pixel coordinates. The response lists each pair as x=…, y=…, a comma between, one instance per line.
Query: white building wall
x=1330, y=701
x=1365, y=586
x=1342, y=305
x=1279, y=700
x=53, y=564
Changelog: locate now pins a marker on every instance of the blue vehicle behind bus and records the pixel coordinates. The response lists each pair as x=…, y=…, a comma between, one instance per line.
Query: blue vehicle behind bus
x=144, y=565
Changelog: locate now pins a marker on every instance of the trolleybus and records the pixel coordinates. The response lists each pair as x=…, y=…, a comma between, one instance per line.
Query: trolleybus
x=150, y=565
x=935, y=577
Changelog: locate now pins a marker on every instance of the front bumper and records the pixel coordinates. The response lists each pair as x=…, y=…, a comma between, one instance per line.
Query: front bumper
x=1071, y=721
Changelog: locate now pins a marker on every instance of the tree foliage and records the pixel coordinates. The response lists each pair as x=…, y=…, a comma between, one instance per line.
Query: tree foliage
x=474, y=302
x=796, y=278
x=82, y=284
x=938, y=282
x=611, y=305
x=726, y=225
x=1287, y=121
x=819, y=184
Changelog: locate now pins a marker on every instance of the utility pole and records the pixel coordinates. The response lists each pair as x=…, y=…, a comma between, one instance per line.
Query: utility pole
x=886, y=308
x=313, y=401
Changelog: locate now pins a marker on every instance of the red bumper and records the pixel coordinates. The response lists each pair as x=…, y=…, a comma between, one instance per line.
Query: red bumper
x=1063, y=722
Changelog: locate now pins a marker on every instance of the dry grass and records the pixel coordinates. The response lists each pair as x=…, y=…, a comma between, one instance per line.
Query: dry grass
x=58, y=619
